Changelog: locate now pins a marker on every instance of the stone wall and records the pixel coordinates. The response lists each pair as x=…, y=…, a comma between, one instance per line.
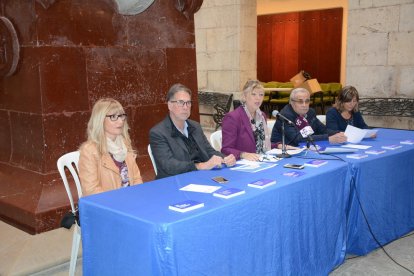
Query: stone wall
x=226, y=34
x=73, y=52
x=380, y=55
x=378, y=38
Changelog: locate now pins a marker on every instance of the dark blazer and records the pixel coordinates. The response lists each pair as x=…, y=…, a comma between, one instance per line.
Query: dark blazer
x=170, y=152
x=335, y=121
x=292, y=134
x=237, y=133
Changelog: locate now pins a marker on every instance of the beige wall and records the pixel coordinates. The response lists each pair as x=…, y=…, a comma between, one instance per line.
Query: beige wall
x=377, y=53
x=226, y=44
x=380, y=56
x=226, y=48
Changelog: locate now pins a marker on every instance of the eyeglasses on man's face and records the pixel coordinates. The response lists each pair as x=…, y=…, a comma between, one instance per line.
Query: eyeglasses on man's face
x=307, y=101
x=181, y=103
x=114, y=117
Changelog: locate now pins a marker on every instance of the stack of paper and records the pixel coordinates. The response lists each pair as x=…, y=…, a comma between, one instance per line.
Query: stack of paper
x=252, y=166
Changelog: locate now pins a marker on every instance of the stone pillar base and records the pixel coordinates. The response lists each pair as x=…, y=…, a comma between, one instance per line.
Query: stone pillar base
x=31, y=201
x=36, y=203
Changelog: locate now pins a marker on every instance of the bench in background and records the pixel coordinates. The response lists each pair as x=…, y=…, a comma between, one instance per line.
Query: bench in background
x=219, y=102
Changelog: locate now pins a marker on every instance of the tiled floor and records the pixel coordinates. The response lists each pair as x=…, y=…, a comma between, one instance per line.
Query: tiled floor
x=43, y=254
x=377, y=263
x=48, y=254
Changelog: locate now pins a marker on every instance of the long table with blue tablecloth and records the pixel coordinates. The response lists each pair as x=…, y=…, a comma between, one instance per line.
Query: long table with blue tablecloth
x=301, y=225
x=294, y=227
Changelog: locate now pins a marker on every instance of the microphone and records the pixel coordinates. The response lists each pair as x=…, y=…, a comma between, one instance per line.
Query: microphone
x=303, y=126
x=276, y=113
x=305, y=130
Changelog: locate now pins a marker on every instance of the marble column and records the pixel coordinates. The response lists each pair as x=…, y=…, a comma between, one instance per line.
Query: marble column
x=69, y=54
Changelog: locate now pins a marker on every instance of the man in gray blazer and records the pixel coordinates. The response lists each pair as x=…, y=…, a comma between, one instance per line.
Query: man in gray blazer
x=178, y=144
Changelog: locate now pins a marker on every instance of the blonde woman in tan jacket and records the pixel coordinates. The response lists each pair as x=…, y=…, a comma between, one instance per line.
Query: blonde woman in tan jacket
x=107, y=160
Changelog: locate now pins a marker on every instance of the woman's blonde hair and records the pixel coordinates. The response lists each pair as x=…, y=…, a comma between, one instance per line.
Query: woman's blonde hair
x=95, y=130
x=251, y=85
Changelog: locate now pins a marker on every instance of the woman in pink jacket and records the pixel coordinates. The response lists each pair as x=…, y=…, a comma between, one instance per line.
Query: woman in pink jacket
x=107, y=160
x=244, y=130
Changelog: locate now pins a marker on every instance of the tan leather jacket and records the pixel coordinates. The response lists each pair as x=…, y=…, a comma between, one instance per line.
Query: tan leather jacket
x=99, y=174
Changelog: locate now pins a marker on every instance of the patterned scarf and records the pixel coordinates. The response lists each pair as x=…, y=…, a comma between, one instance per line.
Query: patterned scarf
x=260, y=131
x=118, y=152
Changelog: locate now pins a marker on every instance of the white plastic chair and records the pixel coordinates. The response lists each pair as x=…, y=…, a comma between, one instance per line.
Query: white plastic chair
x=216, y=139
x=322, y=118
x=270, y=124
x=152, y=159
x=70, y=160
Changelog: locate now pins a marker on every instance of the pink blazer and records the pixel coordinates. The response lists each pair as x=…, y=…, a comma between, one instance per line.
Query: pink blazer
x=237, y=133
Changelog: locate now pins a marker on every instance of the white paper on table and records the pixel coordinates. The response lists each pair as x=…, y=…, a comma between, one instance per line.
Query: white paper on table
x=269, y=158
x=208, y=189
x=289, y=151
x=252, y=166
x=354, y=134
x=247, y=162
x=370, y=132
x=337, y=150
x=356, y=146
x=263, y=158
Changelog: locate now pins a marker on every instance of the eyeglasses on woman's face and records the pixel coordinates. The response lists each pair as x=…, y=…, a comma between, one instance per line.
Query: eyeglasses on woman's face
x=115, y=117
x=181, y=103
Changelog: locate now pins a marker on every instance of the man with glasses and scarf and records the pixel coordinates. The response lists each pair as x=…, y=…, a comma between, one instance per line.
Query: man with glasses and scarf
x=178, y=144
x=299, y=112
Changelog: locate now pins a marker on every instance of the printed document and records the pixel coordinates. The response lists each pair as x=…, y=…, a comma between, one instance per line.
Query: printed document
x=208, y=189
x=355, y=135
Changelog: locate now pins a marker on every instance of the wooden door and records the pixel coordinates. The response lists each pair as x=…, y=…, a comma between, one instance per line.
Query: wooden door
x=290, y=42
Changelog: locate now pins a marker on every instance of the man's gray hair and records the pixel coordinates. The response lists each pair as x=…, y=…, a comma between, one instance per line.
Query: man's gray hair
x=296, y=91
x=175, y=88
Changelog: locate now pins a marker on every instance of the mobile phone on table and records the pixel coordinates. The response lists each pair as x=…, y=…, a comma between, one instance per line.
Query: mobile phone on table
x=294, y=166
x=220, y=179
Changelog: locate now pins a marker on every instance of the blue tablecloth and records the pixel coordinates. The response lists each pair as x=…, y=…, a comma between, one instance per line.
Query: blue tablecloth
x=295, y=227
x=385, y=186
x=302, y=225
